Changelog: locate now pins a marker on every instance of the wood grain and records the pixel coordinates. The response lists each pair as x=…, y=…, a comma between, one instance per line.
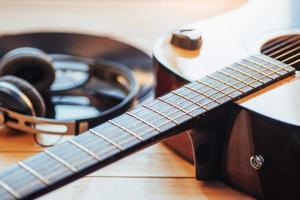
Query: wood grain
x=156, y=172
x=145, y=189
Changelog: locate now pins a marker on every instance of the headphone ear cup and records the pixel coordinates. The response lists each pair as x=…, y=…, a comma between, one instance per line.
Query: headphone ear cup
x=30, y=64
x=30, y=92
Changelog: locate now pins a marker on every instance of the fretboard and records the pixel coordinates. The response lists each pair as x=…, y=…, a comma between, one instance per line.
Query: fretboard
x=140, y=127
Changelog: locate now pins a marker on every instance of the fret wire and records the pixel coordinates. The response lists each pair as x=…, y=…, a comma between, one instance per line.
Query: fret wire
x=34, y=173
x=144, y=121
x=236, y=78
x=256, y=70
x=161, y=125
x=206, y=96
x=106, y=139
x=183, y=102
x=217, y=79
x=201, y=93
x=272, y=72
x=150, y=108
x=168, y=109
x=106, y=150
x=248, y=84
x=196, y=95
x=160, y=113
x=84, y=149
x=10, y=190
x=170, y=119
x=60, y=160
x=268, y=61
x=229, y=85
x=205, y=90
x=167, y=116
x=175, y=106
x=175, y=112
x=214, y=88
x=126, y=130
x=261, y=57
x=198, y=92
x=190, y=99
x=245, y=73
x=147, y=131
x=267, y=68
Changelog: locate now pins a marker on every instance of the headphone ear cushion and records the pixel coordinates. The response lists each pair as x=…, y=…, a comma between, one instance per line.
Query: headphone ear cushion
x=30, y=64
x=32, y=94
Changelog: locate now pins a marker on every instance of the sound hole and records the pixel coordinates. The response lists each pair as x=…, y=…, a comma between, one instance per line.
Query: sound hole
x=284, y=48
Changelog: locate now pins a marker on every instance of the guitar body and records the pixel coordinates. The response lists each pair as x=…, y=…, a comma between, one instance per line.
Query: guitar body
x=264, y=126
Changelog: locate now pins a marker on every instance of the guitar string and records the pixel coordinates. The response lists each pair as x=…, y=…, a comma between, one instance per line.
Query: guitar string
x=108, y=150
x=282, y=44
x=275, y=42
x=150, y=121
x=215, y=93
x=284, y=48
x=183, y=114
x=285, y=53
x=140, y=128
x=288, y=59
x=153, y=116
x=183, y=102
x=177, y=111
x=126, y=141
x=288, y=52
x=236, y=90
x=209, y=88
x=123, y=136
x=190, y=105
x=295, y=62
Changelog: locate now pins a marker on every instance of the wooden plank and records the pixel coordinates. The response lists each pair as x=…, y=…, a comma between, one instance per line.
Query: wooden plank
x=152, y=162
x=13, y=141
x=144, y=189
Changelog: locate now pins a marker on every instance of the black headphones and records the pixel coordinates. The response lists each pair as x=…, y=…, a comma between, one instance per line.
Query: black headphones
x=28, y=76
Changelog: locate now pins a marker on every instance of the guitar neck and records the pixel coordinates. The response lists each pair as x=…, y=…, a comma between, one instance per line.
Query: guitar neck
x=144, y=125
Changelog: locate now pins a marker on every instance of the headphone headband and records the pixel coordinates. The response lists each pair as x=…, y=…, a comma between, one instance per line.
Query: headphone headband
x=111, y=72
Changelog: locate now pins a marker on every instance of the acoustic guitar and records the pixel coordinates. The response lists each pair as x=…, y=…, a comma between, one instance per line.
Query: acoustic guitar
x=264, y=129
x=207, y=104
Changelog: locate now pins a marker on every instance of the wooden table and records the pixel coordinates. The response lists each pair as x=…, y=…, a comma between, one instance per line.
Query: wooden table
x=155, y=173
